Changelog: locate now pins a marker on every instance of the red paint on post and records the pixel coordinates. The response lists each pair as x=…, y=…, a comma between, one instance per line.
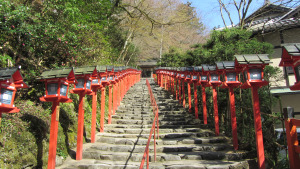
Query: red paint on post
x=258, y=128
x=196, y=101
x=109, y=103
x=80, y=127
x=233, y=119
x=204, y=105
x=216, y=113
x=190, y=97
x=102, y=109
x=176, y=88
x=179, y=86
x=292, y=141
x=53, y=136
x=183, y=94
x=114, y=98
x=94, y=115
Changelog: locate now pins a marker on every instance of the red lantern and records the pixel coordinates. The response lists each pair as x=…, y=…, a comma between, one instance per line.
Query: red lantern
x=291, y=58
x=57, y=83
x=252, y=67
x=10, y=80
x=230, y=81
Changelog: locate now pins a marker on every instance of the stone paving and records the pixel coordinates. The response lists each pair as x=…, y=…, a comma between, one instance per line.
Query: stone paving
x=183, y=142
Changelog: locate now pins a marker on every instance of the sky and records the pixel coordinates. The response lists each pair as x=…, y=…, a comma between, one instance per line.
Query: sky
x=208, y=10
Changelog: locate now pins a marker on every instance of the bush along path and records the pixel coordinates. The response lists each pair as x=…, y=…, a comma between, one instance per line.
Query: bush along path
x=183, y=142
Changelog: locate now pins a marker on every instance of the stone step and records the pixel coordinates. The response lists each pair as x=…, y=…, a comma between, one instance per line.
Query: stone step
x=171, y=156
x=159, y=148
x=180, y=141
x=147, y=130
x=207, y=133
x=181, y=164
x=150, y=125
x=150, y=121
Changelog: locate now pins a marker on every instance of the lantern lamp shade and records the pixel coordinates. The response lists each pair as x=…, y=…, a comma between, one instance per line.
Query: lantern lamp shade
x=255, y=74
x=80, y=83
x=88, y=84
x=95, y=81
x=214, y=77
x=6, y=96
x=52, y=88
x=63, y=89
x=204, y=77
x=231, y=76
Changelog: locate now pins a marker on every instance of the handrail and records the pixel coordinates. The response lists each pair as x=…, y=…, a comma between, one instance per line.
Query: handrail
x=155, y=122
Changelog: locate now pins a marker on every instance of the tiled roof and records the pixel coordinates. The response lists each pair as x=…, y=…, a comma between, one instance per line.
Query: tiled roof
x=225, y=65
x=292, y=48
x=6, y=73
x=271, y=26
x=101, y=68
x=253, y=59
x=190, y=68
x=56, y=73
x=84, y=70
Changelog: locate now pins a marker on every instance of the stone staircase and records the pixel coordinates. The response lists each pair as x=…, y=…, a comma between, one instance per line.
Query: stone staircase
x=183, y=142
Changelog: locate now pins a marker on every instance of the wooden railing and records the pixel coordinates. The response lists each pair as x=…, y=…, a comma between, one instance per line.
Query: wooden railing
x=292, y=138
x=153, y=132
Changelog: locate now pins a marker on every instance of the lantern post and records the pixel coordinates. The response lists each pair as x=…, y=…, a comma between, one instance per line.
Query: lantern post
x=95, y=86
x=104, y=82
x=252, y=66
x=177, y=82
x=115, y=89
x=10, y=80
x=214, y=81
x=174, y=81
x=182, y=76
x=57, y=83
x=188, y=79
x=111, y=79
x=230, y=81
x=203, y=80
x=84, y=76
x=195, y=81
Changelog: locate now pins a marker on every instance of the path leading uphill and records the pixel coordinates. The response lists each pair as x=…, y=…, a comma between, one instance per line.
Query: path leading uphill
x=184, y=143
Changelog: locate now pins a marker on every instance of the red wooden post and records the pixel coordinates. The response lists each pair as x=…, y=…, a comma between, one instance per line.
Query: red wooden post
x=233, y=118
x=0, y=118
x=80, y=127
x=109, y=103
x=176, y=88
x=102, y=109
x=292, y=141
x=179, y=86
x=258, y=128
x=183, y=94
x=196, y=101
x=94, y=115
x=216, y=113
x=53, y=135
x=114, y=98
x=204, y=105
x=190, y=97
